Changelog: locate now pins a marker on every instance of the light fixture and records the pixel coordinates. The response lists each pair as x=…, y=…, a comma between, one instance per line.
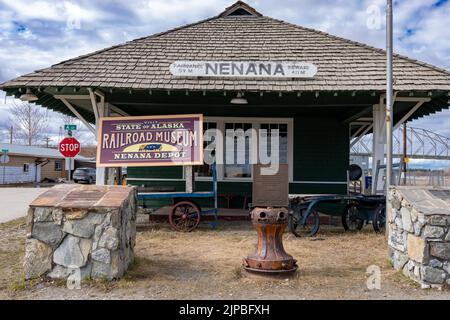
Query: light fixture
x=28, y=96
x=238, y=99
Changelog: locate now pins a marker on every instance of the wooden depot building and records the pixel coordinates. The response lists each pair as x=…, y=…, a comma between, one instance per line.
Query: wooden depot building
x=241, y=69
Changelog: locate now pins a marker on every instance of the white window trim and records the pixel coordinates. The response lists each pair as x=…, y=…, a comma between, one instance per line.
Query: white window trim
x=220, y=121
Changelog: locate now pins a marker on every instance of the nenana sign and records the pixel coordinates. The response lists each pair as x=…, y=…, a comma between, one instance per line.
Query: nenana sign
x=150, y=141
x=248, y=69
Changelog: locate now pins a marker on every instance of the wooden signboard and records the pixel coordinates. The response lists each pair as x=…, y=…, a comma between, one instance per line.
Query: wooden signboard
x=168, y=140
x=270, y=190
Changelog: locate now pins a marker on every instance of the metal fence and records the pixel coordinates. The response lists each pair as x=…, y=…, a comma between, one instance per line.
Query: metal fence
x=420, y=143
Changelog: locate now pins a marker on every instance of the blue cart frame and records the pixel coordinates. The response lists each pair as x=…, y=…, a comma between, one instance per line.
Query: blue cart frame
x=189, y=216
x=354, y=209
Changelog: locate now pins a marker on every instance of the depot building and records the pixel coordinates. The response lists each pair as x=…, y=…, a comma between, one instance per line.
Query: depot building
x=241, y=70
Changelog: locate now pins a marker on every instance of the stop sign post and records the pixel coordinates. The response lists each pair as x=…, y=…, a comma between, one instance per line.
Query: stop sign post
x=69, y=148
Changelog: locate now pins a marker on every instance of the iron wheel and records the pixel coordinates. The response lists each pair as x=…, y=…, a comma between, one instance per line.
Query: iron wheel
x=185, y=216
x=307, y=229
x=379, y=219
x=350, y=219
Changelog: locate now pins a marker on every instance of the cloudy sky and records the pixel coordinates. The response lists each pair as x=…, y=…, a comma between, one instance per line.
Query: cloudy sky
x=36, y=34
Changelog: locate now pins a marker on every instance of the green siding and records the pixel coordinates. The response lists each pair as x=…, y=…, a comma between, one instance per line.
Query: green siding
x=321, y=150
x=172, y=172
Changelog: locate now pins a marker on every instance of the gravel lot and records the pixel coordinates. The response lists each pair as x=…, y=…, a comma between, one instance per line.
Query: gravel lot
x=206, y=264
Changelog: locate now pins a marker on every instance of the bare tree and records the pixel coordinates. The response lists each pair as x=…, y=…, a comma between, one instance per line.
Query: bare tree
x=30, y=122
x=67, y=119
x=82, y=134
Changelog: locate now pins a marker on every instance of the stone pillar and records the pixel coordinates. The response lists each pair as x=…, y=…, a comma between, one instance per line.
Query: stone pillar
x=419, y=236
x=86, y=231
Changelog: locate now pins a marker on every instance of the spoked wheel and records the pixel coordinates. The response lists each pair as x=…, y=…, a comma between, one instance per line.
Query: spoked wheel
x=185, y=216
x=307, y=229
x=379, y=219
x=350, y=218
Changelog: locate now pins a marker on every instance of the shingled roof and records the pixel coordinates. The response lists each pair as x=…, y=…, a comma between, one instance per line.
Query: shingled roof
x=239, y=33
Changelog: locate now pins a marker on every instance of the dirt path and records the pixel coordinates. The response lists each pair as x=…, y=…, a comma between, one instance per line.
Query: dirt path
x=206, y=264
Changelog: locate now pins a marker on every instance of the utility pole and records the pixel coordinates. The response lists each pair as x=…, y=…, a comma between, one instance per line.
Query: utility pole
x=405, y=153
x=389, y=91
x=47, y=140
x=389, y=102
x=11, y=135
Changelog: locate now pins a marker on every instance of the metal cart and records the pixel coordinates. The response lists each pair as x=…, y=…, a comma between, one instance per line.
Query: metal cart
x=185, y=214
x=354, y=210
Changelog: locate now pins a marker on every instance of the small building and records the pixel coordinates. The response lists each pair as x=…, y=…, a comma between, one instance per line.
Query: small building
x=317, y=115
x=35, y=164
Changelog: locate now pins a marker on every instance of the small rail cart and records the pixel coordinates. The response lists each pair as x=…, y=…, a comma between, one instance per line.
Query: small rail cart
x=186, y=213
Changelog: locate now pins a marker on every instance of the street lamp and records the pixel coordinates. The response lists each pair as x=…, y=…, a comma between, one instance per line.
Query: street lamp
x=239, y=99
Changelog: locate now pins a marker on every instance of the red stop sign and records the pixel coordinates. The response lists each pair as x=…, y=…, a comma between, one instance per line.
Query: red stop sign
x=69, y=147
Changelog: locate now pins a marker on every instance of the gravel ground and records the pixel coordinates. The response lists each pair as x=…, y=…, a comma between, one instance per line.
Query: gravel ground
x=206, y=264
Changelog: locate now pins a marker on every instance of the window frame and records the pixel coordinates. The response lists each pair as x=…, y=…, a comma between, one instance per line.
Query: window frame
x=60, y=165
x=256, y=123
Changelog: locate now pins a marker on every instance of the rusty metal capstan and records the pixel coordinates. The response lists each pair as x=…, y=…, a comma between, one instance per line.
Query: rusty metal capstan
x=270, y=256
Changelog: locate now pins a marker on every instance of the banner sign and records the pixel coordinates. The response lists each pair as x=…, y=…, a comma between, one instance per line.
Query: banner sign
x=150, y=141
x=247, y=69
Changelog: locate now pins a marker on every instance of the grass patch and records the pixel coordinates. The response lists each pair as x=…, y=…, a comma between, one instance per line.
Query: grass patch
x=237, y=272
x=20, y=284
x=102, y=284
x=21, y=222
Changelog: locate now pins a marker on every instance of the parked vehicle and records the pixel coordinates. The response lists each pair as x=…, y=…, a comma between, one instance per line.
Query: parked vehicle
x=84, y=174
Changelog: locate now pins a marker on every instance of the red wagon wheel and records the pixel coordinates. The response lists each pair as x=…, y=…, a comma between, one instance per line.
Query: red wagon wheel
x=185, y=216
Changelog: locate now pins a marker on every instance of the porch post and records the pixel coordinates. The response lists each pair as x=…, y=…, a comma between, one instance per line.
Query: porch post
x=100, y=110
x=379, y=143
x=190, y=182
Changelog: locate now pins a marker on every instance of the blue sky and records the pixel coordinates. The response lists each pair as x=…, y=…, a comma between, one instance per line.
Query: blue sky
x=36, y=34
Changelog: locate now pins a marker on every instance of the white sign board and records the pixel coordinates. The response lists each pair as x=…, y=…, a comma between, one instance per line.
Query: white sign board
x=246, y=69
x=69, y=163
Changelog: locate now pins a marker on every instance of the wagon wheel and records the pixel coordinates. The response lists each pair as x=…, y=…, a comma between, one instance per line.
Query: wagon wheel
x=379, y=219
x=350, y=218
x=185, y=216
x=307, y=229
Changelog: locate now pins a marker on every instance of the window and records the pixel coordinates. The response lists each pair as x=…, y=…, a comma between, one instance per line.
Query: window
x=237, y=150
x=205, y=170
x=26, y=168
x=58, y=165
x=267, y=130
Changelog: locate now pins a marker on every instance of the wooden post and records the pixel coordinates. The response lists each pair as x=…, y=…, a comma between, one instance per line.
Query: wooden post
x=190, y=179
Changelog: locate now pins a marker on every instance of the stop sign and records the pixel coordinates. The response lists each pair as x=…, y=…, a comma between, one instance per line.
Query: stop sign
x=69, y=147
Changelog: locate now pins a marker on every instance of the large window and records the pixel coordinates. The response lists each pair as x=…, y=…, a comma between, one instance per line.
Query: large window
x=236, y=153
x=267, y=131
x=237, y=150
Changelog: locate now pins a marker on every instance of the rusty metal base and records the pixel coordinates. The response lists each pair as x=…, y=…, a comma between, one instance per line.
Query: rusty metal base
x=276, y=275
x=262, y=271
